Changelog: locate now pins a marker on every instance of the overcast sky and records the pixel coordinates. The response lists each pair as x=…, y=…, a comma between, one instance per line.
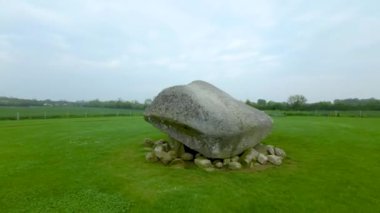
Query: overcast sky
x=82, y=50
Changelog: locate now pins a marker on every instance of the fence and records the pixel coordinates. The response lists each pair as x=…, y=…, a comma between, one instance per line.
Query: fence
x=277, y=113
x=21, y=113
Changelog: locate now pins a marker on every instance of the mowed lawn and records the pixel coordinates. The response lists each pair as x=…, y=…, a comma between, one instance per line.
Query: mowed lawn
x=98, y=165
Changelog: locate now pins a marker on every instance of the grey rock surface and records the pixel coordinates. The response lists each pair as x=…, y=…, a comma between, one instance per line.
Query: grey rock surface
x=235, y=159
x=261, y=148
x=276, y=160
x=166, y=158
x=177, y=163
x=248, y=156
x=199, y=155
x=203, y=163
x=279, y=152
x=234, y=165
x=208, y=120
x=270, y=149
x=226, y=161
x=172, y=153
x=187, y=156
x=262, y=159
x=148, y=142
x=158, y=151
x=151, y=157
x=218, y=164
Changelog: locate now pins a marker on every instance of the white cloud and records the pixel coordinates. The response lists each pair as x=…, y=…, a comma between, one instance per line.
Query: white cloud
x=235, y=57
x=169, y=63
x=60, y=42
x=72, y=61
x=5, y=57
x=24, y=11
x=5, y=49
x=5, y=42
x=163, y=43
x=237, y=44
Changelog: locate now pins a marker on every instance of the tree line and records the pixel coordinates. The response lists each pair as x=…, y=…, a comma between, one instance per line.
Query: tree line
x=122, y=104
x=299, y=102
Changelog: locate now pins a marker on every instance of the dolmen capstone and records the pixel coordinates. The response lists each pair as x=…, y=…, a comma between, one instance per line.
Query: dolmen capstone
x=208, y=120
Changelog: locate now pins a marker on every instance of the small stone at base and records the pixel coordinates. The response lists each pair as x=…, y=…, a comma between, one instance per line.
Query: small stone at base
x=276, y=160
x=151, y=157
x=177, y=163
x=148, y=142
x=270, y=149
x=234, y=165
x=166, y=158
x=226, y=161
x=203, y=163
x=279, y=152
x=218, y=164
x=262, y=159
x=235, y=159
x=187, y=156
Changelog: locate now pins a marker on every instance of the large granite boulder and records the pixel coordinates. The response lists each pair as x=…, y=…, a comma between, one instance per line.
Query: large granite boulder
x=208, y=120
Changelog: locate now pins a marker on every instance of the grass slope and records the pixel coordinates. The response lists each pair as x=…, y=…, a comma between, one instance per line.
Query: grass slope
x=97, y=165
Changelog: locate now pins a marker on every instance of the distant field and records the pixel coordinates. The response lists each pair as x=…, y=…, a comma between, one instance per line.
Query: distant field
x=97, y=165
x=279, y=113
x=10, y=113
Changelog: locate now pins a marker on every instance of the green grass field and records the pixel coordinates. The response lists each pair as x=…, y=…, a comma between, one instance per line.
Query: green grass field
x=97, y=165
